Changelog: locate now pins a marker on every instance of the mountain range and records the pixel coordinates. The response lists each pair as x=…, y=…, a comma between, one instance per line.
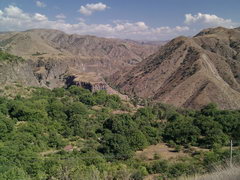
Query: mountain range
x=187, y=72
x=54, y=58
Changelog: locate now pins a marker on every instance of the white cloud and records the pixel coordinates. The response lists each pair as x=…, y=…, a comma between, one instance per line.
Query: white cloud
x=40, y=17
x=88, y=9
x=40, y=4
x=13, y=18
x=60, y=16
x=208, y=20
x=182, y=28
x=13, y=11
x=127, y=27
x=80, y=19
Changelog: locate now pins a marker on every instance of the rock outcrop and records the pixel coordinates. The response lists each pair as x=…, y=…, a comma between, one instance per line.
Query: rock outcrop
x=90, y=81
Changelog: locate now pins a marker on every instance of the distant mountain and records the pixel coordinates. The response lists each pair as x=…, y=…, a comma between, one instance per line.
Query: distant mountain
x=189, y=72
x=55, y=58
x=57, y=44
x=159, y=43
x=155, y=42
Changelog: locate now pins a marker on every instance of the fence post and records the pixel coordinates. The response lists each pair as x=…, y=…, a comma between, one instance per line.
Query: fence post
x=231, y=149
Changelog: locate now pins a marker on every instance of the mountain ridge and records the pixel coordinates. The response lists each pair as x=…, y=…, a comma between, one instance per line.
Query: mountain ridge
x=59, y=44
x=189, y=72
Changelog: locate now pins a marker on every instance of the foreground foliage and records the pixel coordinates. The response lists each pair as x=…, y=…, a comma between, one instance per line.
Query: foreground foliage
x=75, y=134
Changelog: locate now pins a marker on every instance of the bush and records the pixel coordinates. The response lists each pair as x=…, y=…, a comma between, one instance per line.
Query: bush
x=6, y=126
x=179, y=169
x=4, y=56
x=160, y=167
x=140, y=173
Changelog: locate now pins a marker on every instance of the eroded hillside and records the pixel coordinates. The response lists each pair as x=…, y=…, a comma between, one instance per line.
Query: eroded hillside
x=189, y=72
x=54, y=58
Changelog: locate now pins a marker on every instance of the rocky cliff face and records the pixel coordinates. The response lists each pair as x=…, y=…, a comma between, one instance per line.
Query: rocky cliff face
x=189, y=72
x=90, y=81
x=52, y=74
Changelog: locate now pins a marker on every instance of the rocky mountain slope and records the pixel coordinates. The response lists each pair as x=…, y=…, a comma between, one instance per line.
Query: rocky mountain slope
x=189, y=72
x=54, y=58
x=53, y=43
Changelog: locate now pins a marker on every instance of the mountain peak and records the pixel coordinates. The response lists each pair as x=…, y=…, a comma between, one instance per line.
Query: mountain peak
x=212, y=31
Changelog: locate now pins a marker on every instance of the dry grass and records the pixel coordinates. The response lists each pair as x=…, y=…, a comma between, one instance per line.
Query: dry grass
x=14, y=89
x=161, y=150
x=219, y=174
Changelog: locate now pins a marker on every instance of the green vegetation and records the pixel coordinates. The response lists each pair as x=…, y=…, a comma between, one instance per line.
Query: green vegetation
x=75, y=134
x=4, y=56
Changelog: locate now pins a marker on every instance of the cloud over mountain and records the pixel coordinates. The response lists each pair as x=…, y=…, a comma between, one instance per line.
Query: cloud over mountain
x=12, y=18
x=209, y=20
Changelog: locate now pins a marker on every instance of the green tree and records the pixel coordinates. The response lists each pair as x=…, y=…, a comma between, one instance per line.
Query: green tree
x=6, y=126
x=116, y=145
x=182, y=131
x=78, y=125
x=137, y=140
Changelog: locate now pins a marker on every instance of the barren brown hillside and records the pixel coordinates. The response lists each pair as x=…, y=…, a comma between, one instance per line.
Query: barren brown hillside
x=54, y=43
x=54, y=58
x=189, y=72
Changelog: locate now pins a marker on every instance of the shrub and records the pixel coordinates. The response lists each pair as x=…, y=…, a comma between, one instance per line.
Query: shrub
x=160, y=167
x=4, y=56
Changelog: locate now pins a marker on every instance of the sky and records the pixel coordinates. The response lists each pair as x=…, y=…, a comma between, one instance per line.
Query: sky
x=145, y=20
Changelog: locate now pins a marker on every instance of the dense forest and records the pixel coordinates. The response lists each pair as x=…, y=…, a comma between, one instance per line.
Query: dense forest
x=76, y=134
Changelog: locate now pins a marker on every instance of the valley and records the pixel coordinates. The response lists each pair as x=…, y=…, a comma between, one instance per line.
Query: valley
x=84, y=107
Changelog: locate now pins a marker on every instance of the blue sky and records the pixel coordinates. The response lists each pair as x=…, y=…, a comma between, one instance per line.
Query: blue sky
x=127, y=19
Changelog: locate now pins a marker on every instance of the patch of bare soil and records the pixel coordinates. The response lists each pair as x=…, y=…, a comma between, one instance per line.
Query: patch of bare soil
x=160, y=150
